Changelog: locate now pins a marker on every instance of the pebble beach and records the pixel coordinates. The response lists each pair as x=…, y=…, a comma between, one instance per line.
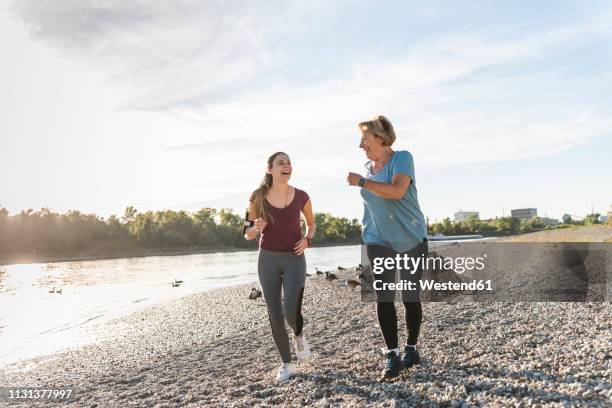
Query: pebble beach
x=215, y=349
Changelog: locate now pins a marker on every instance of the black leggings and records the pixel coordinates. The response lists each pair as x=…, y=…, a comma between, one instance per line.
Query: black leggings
x=283, y=272
x=385, y=306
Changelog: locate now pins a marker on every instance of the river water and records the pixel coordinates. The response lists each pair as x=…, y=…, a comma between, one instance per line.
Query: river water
x=35, y=322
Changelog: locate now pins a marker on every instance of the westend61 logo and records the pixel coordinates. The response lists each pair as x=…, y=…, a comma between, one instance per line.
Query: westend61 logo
x=412, y=264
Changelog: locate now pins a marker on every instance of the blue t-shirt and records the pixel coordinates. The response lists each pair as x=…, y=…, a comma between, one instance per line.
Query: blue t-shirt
x=397, y=224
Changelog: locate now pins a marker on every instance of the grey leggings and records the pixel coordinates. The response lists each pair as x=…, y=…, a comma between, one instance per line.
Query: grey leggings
x=286, y=271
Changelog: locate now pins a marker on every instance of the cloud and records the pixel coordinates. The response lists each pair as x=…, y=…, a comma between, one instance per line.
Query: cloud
x=446, y=121
x=169, y=53
x=486, y=95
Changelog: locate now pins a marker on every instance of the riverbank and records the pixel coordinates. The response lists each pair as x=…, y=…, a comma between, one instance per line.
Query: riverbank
x=591, y=233
x=93, y=255
x=215, y=349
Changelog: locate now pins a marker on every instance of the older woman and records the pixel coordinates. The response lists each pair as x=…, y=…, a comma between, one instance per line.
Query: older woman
x=392, y=224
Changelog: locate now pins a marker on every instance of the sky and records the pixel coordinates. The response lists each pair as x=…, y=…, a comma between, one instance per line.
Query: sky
x=177, y=104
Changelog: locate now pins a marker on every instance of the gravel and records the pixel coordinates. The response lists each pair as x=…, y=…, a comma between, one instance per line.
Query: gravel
x=591, y=233
x=215, y=349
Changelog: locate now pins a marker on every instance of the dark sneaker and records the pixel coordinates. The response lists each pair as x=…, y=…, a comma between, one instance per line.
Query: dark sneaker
x=393, y=365
x=411, y=357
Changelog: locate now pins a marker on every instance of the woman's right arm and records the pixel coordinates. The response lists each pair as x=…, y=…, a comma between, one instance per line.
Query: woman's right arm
x=251, y=232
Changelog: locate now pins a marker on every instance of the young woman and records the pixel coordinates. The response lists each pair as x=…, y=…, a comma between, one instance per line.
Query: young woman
x=275, y=209
x=392, y=224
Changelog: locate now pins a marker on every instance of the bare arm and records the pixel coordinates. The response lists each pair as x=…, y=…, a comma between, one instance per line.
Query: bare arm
x=302, y=244
x=394, y=191
x=310, y=220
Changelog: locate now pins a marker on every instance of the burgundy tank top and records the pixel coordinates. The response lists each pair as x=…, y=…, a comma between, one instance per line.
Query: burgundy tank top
x=284, y=232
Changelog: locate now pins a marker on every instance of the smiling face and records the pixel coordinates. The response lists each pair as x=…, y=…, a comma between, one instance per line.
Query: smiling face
x=371, y=144
x=281, y=168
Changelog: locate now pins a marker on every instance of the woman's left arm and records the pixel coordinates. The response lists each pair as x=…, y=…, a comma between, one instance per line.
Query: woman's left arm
x=304, y=243
x=310, y=220
x=394, y=191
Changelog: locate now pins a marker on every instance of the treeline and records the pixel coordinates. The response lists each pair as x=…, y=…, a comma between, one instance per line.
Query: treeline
x=504, y=225
x=48, y=232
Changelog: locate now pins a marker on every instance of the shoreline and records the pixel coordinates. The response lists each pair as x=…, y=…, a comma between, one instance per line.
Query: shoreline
x=6, y=260
x=594, y=233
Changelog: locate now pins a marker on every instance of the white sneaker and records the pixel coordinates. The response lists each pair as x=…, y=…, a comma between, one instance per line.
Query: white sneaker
x=285, y=372
x=302, y=349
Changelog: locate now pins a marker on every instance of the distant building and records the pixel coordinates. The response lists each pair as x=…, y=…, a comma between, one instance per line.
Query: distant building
x=603, y=219
x=549, y=221
x=524, y=213
x=466, y=215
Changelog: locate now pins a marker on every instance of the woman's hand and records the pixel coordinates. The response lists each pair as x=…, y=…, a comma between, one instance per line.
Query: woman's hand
x=353, y=179
x=260, y=224
x=300, y=246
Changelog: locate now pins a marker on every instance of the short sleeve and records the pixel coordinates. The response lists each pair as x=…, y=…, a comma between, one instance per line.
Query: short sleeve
x=403, y=164
x=305, y=198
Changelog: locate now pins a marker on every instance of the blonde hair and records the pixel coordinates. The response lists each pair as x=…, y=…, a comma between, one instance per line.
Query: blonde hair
x=258, y=197
x=381, y=127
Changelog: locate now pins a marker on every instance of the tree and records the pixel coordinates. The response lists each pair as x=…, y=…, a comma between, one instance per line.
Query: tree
x=116, y=230
x=205, y=216
x=44, y=231
x=227, y=217
x=591, y=219
x=129, y=214
x=3, y=229
x=567, y=219
x=230, y=228
x=508, y=224
x=336, y=229
x=447, y=226
x=205, y=227
x=473, y=224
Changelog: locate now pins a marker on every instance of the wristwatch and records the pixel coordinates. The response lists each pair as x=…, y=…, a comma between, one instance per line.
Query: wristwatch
x=362, y=182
